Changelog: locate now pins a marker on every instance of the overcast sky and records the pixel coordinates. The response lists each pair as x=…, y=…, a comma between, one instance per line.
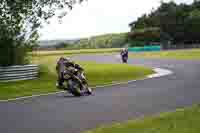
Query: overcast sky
x=95, y=17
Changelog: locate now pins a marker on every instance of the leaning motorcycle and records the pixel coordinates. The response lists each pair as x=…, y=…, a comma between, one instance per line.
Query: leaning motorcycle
x=124, y=59
x=75, y=81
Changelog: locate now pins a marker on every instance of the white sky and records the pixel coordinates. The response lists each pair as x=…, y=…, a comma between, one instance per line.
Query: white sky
x=95, y=17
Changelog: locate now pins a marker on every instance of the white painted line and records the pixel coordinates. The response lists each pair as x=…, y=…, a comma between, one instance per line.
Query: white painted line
x=159, y=73
x=26, y=97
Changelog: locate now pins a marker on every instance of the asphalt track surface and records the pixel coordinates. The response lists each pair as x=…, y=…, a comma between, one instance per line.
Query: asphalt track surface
x=61, y=113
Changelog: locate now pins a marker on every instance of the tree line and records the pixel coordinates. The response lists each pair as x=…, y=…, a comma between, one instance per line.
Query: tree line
x=178, y=23
x=101, y=41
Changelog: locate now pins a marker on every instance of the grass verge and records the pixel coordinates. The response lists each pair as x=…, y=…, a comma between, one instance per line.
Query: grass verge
x=97, y=74
x=181, y=121
x=192, y=54
x=69, y=52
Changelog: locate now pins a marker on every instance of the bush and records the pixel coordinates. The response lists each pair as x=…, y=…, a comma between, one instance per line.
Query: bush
x=136, y=43
x=146, y=35
x=13, y=53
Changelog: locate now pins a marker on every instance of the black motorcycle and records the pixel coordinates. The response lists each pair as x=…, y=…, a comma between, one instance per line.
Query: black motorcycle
x=124, y=59
x=124, y=56
x=75, y=81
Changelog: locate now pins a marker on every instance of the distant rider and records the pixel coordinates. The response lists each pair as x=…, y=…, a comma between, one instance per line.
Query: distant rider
x=124, y=55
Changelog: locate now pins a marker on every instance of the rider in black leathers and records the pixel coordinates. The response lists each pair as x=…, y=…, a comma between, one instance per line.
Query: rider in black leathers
x=65, y=64
x=124, y=55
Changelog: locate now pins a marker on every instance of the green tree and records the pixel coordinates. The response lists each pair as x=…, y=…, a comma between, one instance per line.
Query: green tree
x=178, y=22
x=193, y=26
x=19, y=22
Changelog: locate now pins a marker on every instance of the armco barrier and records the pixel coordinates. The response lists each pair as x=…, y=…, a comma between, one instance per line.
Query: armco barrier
x=15, y=73
x=145, y=48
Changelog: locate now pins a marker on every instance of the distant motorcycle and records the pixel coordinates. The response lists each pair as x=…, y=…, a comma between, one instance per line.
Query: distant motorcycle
x=124, y=55
x=124, y=59
x=75, y=81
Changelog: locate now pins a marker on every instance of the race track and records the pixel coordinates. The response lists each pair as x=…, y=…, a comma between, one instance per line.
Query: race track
x=65, y=114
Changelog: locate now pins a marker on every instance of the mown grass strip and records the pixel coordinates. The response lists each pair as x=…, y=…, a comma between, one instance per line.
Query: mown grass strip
x=69, y=52
x=97, y=74
x=180, y=121
x=192, y=54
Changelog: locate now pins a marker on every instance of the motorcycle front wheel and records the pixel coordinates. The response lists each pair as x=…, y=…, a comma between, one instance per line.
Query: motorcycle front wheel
x=75, y=88
x=87, y=89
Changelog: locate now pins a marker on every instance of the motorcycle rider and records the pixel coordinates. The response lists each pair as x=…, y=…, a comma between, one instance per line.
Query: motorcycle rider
x=62, y=65
x=67, y=66
x=124, y=55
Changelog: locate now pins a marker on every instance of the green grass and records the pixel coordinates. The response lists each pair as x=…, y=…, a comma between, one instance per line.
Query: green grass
x=192, y=54
x=181, y=121
x=82, y=51
x=97, y=74
x=44, y=84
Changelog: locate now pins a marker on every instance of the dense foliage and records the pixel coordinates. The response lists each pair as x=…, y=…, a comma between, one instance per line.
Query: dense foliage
x=19, y=21
x=179, y=23
x=142, y=37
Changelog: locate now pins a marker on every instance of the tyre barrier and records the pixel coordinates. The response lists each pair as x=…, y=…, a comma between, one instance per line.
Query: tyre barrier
x=19, y=72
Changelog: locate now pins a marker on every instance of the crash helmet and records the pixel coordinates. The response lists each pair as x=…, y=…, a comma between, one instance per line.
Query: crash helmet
x=61, y=58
